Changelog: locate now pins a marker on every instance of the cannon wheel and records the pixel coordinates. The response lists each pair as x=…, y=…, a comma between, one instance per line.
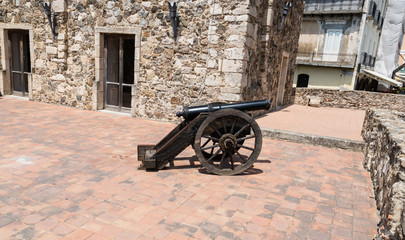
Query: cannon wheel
x=238, y=144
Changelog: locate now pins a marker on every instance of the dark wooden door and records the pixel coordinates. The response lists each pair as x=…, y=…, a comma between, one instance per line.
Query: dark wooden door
x=20, y=62
x=119, y=55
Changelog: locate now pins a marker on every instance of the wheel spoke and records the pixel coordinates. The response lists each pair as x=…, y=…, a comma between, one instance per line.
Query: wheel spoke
x=222, y=160
x=241, y=130
x=213, y=156
x=231, y=158
x=211, y=138
x=243, y=161
x=245, y=138
x=248, y=148
x=233, y=126
x=209, y=147
x=224, y=125
x=216, y=130
x=206, y=143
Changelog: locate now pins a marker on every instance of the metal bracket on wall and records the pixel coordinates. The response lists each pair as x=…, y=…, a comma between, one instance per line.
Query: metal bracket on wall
x=51, y=17
x=174, y=17
x=286, y=9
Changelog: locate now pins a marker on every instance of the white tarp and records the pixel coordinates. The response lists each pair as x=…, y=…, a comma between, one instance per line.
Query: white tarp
x=391, y=37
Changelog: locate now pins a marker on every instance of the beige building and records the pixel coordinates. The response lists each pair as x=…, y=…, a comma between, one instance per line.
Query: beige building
x=338, y=40
x=124, y=55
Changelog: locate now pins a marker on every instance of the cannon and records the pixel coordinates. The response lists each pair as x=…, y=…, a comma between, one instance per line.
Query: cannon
x=225, y=137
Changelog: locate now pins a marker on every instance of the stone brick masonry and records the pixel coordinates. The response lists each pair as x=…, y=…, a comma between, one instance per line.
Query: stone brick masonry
x=226, y=51
x=384, y=135
x=351, y=99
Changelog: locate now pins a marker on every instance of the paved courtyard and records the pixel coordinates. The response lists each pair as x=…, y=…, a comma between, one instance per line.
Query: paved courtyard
x=72, y=174
x=324, y=121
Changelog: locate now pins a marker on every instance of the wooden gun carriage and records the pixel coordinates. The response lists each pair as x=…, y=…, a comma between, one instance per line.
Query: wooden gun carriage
x=226, y=139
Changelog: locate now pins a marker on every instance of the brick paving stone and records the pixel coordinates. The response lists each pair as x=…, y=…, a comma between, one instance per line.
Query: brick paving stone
x=63, y=229
x=46, y=224
x=127, y=235
x=79, y=234
x=68, y=173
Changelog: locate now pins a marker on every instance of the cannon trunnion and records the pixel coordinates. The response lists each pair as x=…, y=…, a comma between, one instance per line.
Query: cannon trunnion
x=226, y=140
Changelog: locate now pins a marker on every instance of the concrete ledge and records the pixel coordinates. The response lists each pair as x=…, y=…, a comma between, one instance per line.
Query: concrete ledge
x=311, y=139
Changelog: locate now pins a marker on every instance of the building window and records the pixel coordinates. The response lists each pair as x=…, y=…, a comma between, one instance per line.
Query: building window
x=302, y=81
x=332, y=45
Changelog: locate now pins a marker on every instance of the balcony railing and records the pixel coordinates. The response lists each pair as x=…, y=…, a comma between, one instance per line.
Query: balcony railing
x=367, y=60
x=327, y=59
x=328, y=6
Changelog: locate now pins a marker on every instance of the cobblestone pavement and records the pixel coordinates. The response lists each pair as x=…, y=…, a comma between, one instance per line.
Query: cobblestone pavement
x=72, y=174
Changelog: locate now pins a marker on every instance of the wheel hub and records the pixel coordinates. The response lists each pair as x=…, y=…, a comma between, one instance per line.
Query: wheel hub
x=228, y=142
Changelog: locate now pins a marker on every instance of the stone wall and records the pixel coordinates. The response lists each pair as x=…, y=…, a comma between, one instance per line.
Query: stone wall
x=350, y=99
x=267, y=44
x=226, y=51
x=384, y=135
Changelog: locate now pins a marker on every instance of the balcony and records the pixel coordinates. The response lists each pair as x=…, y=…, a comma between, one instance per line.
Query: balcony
x=334, y=7
x=327, y=59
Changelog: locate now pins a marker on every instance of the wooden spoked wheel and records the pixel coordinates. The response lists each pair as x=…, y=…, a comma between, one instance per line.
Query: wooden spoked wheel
x=228, y=142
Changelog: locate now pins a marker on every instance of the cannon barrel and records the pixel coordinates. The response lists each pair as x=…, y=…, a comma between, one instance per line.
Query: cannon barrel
x=190, y=113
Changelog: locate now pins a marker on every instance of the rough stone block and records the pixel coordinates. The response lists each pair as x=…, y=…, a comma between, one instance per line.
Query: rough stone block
x=51, y=50
x=237, y=29
x=213, y=53
x=236, y=54
x=212, y=80
x=230, y=18
x=61, y=55
x=236, y=40
x=212, y=30
x=200, y=71
x=39, y=63
x=240, y=10
x=314, y=101
x=229, y=97
x=268, y=19
x=59, y=6
x=213, y=39
x=242, y=18
x=252, y=30
x=234, y=90
x=133, y=19
x=216, y=9
x=211, y=63
x=233, y=79
x=253, y=11
x=58, y=77
x=61, y=36
x=75, y=48
x=235, y=66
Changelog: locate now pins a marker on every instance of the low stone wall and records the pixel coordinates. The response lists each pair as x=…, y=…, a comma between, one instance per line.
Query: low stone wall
x=384, y=136
x=350, y=99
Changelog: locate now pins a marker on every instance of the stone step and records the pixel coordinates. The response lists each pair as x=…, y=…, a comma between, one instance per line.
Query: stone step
x=317, y=140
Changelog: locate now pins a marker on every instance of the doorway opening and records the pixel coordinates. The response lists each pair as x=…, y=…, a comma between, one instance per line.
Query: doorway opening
x=20, y=62
x=119, y=63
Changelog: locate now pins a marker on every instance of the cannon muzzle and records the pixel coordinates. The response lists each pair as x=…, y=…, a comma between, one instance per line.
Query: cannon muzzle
x=190, y=113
